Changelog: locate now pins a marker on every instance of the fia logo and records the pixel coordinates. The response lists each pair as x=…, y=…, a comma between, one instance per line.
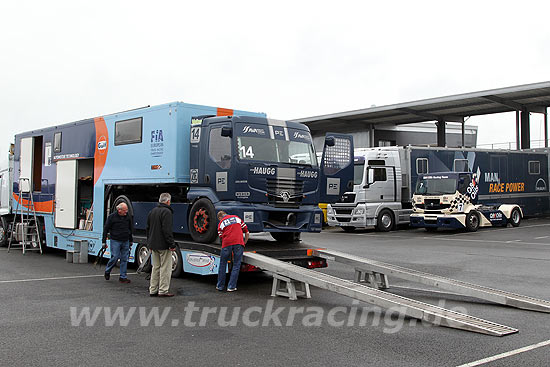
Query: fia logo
x=156, y=136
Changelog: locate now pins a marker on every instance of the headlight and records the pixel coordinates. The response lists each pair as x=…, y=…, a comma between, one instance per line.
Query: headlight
x=359, y=211
x=329, y=210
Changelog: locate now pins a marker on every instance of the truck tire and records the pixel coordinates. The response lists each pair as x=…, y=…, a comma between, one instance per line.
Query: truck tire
x=348, y=229
x=515, y=217
x=4, y=233
x=385, y=221
x=472, y=221
x=177, y=263
x=203, y=224
x=286, y=237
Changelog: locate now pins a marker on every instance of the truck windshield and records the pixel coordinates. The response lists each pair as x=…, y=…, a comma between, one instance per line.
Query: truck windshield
x=279, y=151
x=358, y=169
x=435, y=186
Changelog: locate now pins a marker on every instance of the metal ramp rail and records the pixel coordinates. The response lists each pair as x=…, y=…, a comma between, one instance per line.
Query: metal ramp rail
x=408, y=307
x=448, y=284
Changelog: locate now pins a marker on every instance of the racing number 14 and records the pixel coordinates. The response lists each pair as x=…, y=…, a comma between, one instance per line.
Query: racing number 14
x=246, y=152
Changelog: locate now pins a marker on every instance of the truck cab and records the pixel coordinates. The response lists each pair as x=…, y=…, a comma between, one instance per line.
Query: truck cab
x=376, y=199
x=450, y=200
x=265, y=171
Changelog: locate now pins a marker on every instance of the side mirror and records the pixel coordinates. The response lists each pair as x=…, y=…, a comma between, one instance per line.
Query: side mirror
x=330, y=141
x=370, y=177
x=227, y=131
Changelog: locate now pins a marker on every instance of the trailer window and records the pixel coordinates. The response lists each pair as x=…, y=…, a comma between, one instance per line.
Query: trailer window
x=219, y=148
x=460, y=165
x=57, y=142
x=128, y=131
x=534, y=167
x=421, y=165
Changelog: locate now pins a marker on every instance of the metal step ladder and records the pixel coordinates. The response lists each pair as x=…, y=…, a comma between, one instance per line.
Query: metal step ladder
x=25, y=223
x=373, y=268
x=409, y=307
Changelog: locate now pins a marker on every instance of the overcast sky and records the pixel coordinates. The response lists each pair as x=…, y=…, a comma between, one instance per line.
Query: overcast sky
x=68, y=60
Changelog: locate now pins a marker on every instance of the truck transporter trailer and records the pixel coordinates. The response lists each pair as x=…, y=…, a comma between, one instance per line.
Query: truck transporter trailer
x=63, y=181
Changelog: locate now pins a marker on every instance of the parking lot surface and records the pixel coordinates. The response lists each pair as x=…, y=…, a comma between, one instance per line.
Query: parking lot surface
x=48, y=307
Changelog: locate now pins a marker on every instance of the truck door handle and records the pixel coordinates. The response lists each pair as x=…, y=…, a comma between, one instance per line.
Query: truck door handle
x=381, y=196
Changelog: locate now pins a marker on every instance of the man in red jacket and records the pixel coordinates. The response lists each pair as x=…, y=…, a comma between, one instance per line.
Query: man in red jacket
x=230, y=230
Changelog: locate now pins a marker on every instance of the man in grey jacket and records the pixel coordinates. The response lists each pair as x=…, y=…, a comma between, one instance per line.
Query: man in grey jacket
x=160, y=240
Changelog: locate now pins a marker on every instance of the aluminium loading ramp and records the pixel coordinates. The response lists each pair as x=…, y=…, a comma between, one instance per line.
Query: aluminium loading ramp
x=408, y=307
x=448, y=284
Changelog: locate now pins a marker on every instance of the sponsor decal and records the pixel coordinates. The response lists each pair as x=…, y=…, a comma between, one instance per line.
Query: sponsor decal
x=253, y=130
x=199, y=260
x=307, y=174
x=157, y=143
x=507, y=187
x=495, y=216
x=492, y=177
x=333, y=186
x=66, y=156
x=242, y=194
x=194, y=173
x=102, y=145
x=221, y=181
x=248, y=217
x=196, y=122
x=298, y=135
x=263, y=171
x=540, y=185
x=195, y=134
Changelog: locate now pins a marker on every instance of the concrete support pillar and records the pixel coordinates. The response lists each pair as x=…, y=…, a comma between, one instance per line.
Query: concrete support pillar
x=546, y=128
x=525, y=130
x=463, y=143
x=518, y=139
x=441, y=142
x=371, y=136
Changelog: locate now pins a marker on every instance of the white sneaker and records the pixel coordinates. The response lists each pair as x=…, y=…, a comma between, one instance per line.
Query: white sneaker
x=231, y=289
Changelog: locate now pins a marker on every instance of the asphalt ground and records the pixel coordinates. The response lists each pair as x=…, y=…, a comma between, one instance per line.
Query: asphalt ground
x=39, y=292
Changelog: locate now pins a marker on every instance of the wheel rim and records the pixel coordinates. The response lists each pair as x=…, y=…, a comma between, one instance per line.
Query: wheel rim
x=200, y=220
x=142, y=254
x=174, y=260
x=473, y=221
x=386, y=220
x=515, y=217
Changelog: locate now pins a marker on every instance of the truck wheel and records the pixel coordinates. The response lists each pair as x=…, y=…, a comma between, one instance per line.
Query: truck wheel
x=4, y=234
x=203, y=222
x=288, y=237
x=472, y=221
x=177, y=263
x=348, y=229
x=385, y=221
x=141, y=255
x=515, y=217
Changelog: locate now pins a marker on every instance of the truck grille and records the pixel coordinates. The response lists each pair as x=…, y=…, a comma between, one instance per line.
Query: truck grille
x=432, y=204
x=345, y=211
x=285, y=192
x=347, y=198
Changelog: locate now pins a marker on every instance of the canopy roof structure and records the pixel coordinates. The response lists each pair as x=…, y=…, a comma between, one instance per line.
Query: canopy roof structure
x=522, y=98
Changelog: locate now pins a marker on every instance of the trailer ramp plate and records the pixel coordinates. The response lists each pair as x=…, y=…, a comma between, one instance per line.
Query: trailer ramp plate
x=468, y=289
x=408, y=307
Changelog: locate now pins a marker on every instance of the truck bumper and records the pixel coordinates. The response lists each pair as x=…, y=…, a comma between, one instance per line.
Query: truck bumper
x=438, y=221
x=264, y=218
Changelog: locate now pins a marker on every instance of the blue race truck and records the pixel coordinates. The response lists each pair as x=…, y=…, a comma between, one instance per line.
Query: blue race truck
x=207, y=158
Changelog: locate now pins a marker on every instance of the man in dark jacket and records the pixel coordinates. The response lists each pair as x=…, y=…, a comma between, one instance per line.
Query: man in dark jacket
x=160, y=240
x=119, y=226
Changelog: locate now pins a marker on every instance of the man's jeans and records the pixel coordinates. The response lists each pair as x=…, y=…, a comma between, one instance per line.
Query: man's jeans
x=225, y=255
x=119, y=250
